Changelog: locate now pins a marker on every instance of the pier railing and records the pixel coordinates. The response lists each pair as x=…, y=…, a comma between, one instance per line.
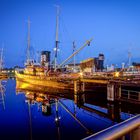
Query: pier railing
x=130, y=94
x=131, y=125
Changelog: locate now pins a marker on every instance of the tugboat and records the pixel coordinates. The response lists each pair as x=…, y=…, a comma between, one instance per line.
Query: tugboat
x=47, y=76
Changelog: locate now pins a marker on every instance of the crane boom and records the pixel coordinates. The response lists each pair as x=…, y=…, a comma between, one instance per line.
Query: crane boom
x=86, y=43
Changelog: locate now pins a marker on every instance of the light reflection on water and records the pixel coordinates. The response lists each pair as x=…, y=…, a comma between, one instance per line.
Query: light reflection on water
x=39, y=115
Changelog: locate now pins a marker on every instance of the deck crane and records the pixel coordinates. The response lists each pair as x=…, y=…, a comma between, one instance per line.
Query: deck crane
x=86, y=43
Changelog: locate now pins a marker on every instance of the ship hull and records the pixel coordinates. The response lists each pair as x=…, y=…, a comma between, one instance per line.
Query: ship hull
x=44, y=82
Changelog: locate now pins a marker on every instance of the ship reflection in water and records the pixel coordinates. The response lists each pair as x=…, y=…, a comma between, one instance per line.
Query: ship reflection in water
x=34, y=114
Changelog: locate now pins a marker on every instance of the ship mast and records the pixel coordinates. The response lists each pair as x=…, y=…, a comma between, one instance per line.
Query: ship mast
x=28, y=39
x=56, y=38
x=74, y=56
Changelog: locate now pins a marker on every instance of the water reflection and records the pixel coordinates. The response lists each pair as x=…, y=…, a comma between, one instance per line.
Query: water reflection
x=45, y=103
x=2, y=94
x=30, y=118
x=89, y=111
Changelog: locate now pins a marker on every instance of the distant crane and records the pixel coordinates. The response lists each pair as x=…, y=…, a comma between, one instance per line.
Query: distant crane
x=76, y=52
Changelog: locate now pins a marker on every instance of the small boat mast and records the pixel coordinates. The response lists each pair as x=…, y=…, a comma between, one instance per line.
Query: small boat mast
x=1, y=59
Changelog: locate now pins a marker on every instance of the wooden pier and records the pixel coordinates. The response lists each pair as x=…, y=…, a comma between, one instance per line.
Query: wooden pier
x=114, y=89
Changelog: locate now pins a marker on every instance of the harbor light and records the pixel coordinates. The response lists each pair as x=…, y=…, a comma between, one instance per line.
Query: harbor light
x=27, y=93
x=57, y=119
x=55, y=49
x=117, y=74
x=81, y=74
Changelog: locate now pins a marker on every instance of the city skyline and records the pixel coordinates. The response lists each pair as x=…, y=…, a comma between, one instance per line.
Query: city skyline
x=114, y=26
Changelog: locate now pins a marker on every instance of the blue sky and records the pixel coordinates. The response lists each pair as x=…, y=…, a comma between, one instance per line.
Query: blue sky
x=114, y=25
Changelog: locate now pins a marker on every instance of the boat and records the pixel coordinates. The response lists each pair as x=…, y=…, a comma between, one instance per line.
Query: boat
x=59, y=81
x=47, y=76
x=43, y=77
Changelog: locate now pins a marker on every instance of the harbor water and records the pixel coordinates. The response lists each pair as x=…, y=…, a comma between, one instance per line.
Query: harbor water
x=37, y=115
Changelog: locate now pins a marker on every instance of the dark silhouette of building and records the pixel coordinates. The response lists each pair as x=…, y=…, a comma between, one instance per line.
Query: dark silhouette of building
x=99, y=62
x=45, y=58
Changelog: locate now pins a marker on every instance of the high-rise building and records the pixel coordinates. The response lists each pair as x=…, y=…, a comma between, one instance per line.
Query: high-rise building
x=99, y=62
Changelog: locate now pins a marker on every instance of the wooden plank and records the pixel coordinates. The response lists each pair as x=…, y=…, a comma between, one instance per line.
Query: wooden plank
x=94, y=81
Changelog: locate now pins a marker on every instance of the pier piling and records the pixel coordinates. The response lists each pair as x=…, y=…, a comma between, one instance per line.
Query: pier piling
x=139, y=96
x=76, y=87
x=113, y=92
x=110, y=92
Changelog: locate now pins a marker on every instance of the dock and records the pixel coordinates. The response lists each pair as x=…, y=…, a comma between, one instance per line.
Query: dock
x=114, y=87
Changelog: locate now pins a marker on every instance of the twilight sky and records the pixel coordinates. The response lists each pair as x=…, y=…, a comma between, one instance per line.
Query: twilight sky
x=114, y=25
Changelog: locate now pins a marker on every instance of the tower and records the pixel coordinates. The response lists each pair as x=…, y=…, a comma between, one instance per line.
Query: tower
x=101, y=62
